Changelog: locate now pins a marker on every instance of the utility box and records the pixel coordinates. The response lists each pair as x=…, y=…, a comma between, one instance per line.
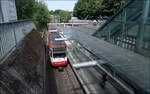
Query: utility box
x=8, y=11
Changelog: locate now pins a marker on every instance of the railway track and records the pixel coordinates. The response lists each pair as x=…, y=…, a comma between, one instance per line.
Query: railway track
x=66, y=81
x=61, y=82
x=88, y=79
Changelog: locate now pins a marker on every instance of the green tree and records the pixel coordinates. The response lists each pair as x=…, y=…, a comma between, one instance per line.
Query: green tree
x=62, y=16
x=42, y=15
x=56, y=12
x=25, y=9
x=81, y=9
x=51, y=12
x=93, y=9
x=30, y=9
x=110, y=7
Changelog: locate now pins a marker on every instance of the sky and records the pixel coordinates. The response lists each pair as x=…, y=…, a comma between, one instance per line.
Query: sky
x=61, y=4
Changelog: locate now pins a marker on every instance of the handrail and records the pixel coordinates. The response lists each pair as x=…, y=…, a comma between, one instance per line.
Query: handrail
x=16, y=21
x=134, y=15
x=109, y=20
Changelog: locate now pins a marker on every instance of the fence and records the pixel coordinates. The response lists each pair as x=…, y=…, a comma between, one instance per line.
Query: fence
x=11, y=33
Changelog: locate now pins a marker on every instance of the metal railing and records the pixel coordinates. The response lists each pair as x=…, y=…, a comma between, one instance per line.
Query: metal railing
x=129, y=28
x=11, y=33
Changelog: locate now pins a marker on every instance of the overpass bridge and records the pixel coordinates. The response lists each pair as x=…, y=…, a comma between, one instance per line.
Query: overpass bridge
x=120, y=47
x=68, y=24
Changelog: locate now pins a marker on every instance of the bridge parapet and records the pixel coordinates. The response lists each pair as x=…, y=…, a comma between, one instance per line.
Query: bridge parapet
x=11, y=33
x=65, y=24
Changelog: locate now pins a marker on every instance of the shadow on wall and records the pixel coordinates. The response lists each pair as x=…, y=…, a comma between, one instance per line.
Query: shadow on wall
x=23, y=69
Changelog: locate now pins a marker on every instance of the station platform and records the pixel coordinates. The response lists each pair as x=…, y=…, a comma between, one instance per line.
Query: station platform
x=89, y=77
x=129, y=66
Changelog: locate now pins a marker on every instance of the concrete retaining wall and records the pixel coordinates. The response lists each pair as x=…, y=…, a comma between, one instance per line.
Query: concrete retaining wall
x=22, y=71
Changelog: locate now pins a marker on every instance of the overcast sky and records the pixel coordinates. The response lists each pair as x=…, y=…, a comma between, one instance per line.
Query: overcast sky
x=61, y=4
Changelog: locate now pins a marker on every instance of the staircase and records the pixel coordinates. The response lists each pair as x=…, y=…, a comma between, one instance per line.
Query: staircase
x=129, y=28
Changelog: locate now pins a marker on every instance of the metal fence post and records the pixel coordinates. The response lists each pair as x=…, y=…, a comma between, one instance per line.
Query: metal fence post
x=123, y=30
x=2, y=46
x=14, y=33
x=142, y=29
x=1, y=50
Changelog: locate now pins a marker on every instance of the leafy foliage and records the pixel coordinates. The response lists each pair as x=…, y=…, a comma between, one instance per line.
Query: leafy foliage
x=94, y=9
x=30, y=9
x=61, y=15
x=81, y=9
x=42, y=16
x=110, y=7
x=64, y=16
